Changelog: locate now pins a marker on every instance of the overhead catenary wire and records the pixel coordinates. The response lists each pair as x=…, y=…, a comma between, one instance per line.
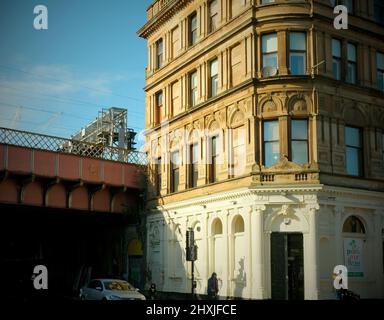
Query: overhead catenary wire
x=67, y=82
x=54, y=113
x=63, y=100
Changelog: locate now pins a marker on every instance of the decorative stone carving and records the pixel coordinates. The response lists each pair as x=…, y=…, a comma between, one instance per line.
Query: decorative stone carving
x=231, y=109
x=208, y=120
x=287, y=212
x=214, y=126
x=220, y=117
x=154, y=236
x=285, y=165
x=299, y=106
x=269, y=106
x=237, y=119
x=198, y=125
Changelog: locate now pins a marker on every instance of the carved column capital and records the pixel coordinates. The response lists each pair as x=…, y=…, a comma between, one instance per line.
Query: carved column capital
x=313, y=207
x=259, y=207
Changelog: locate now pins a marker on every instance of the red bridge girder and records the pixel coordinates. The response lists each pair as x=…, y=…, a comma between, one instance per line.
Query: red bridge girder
x=53, y=179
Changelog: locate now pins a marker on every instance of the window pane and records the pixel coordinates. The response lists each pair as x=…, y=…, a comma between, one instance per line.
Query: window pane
x=193, y=29
x=214, y=85
x=159, y=99
x=175, y=180
x=379, y=11
x=380, y=80
x=193, y=165
x=297, y=41
x=353, y=137
x=160, y=46
x=213, y=7
x=193, y=22
x=266, y=1
x=380, y=61
x=270, y=60
x=352, y=160
x=269, y=42
x=175, y=159
x=194, y=80
x=336, y=70
x=299, y=130
x=349, y=5
x=299, y=151
x=351, y=52
x=336, y=48
x=214, y=146
x=272, y=153
x=351, y=73
x=382, y=144
x=271, y=130
x=214, y=67
x=194, y=155
x=297, y=63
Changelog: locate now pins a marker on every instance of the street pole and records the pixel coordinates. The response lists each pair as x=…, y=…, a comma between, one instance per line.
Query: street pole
x=193, y=279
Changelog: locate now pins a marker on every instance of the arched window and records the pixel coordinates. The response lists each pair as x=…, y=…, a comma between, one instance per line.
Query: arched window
x=238, y=224
x=353, y=225
x=217, y=227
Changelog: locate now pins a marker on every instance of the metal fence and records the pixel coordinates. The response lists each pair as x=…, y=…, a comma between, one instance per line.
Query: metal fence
x=57, y=144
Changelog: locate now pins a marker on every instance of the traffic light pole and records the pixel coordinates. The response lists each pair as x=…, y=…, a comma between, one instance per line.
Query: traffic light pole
x=191, y=253
x=193, y=279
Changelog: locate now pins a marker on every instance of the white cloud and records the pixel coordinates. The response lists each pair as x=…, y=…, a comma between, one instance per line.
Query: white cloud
x=50, y=87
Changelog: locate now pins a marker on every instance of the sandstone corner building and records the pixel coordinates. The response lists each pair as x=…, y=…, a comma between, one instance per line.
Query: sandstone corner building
x=265, y=130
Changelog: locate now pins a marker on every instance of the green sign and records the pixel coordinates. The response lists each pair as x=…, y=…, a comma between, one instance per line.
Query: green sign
x=353, y=256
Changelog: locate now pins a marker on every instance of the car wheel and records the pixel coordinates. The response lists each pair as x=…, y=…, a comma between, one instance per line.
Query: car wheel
x=82, y=298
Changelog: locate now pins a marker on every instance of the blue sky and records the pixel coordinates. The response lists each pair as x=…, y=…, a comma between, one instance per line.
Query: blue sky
x=55, y=81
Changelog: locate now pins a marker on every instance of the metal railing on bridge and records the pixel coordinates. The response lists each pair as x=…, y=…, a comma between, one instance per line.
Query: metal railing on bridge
x=57, y=144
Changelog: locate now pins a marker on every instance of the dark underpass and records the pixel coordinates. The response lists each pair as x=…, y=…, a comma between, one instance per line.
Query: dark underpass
x=74, y=245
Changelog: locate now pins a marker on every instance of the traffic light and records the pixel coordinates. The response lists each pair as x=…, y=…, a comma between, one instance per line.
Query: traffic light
x=190, y=238
x=192, y=253
x=191, y=248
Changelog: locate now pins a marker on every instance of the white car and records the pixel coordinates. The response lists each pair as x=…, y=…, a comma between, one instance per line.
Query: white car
x=110, y=289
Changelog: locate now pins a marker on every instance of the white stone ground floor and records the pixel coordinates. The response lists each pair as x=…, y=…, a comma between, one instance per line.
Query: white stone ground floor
x=233, y=232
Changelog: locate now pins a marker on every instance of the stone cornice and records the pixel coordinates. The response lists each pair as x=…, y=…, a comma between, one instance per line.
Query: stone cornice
x=255, y=193
x=343, y=191
x=170, y=9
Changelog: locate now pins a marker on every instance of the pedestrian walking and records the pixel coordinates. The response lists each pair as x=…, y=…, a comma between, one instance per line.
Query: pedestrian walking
x=213, y=286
